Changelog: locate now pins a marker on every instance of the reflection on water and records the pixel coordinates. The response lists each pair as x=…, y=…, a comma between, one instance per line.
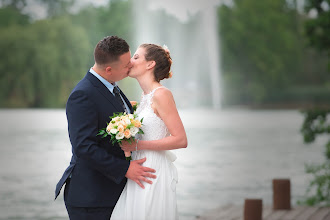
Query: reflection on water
x=232, y=155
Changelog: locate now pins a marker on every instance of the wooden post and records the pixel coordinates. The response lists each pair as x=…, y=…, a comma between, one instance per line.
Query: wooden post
x=281, y=194
x=253, y=209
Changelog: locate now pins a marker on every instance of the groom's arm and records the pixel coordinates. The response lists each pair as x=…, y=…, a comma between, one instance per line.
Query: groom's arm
x=83, y=128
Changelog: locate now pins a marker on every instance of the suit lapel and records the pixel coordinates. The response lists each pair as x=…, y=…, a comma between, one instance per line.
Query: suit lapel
x=104, y=91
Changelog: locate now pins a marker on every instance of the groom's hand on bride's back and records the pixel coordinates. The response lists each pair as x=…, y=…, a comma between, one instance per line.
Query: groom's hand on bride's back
x=139, y=173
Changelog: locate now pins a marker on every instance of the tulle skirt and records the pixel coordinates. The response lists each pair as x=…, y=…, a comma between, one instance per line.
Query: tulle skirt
x=158, y=200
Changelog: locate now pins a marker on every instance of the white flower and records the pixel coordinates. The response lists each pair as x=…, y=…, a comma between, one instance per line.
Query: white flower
x=109, y=127
x=127, y=121
x=134, y=130
x=121, y=128
x=131, y=116
x=120, y=136
x=113, y=131
x=115, y=119
x=166, y=48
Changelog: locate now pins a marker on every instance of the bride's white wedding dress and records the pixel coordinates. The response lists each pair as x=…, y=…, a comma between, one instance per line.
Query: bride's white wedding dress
x=158, y=200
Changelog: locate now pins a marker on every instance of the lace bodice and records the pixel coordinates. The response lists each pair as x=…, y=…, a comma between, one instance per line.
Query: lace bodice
x=153, y=127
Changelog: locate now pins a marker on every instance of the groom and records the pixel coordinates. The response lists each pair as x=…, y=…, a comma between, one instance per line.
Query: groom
x=98, y=170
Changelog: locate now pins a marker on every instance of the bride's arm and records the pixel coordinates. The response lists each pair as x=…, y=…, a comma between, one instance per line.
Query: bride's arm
x=164, y=106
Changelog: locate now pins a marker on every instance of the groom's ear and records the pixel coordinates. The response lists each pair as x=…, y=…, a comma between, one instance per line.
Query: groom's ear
x=108, y=69
x=151, y=64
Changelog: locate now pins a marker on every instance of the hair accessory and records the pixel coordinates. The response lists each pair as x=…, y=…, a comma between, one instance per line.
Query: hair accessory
x=166, y=48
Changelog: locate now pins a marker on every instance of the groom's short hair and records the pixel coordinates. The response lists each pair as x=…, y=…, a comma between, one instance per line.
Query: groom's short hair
x=109, y=49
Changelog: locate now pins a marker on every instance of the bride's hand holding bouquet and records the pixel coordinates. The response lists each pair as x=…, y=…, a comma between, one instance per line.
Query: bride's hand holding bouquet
x=122, y=127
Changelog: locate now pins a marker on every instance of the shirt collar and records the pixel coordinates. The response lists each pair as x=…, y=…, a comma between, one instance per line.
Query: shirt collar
x=104, y=81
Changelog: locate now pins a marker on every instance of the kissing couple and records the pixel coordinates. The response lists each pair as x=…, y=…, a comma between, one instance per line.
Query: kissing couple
x=99, y=183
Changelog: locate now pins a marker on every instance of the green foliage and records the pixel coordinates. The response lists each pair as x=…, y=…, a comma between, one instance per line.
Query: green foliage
x=134, y=107
x=316, y=123
x=114, y=120
x=54, y=8
x=317, y=27
x=114, y=19
x=260, y=46
x=264, y=53
x=318, y=192
x=11, y=16
x=16, y=4
x=57, y=8
x=41, y=63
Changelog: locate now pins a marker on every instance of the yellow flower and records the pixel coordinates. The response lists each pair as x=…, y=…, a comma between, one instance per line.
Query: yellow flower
x=122, y=123
x=133, y=103
x=121, y=128
x=127, y=133
x=136, y=123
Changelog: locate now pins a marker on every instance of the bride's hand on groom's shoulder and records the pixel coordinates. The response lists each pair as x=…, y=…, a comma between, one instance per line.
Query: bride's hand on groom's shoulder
x=139, y=173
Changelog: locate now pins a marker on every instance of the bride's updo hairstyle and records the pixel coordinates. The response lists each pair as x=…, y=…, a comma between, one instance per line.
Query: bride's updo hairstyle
x=162, y=58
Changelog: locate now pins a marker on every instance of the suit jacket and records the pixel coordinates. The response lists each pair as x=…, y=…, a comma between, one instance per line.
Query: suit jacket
x=97, y=168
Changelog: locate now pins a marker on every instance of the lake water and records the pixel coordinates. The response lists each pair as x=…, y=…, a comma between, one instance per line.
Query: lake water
x=231, y=155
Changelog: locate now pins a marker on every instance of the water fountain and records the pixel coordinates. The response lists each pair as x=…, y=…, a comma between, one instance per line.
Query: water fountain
x=189, y=29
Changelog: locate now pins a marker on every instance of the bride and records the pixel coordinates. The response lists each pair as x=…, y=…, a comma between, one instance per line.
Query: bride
x=163, y=131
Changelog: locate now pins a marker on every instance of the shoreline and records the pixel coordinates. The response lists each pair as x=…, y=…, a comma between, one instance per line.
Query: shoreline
x=236, y=212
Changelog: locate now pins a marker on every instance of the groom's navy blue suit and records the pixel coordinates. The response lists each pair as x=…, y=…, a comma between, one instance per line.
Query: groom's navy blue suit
x=96, y=174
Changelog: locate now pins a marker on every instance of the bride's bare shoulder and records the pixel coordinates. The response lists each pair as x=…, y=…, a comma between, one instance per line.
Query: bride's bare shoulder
x=163, y=94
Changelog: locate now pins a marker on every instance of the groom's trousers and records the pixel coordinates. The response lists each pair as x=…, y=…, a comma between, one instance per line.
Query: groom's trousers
x=87, y=213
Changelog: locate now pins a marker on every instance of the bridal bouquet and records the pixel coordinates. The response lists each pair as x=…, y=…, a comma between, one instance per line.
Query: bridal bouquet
x=122, y=126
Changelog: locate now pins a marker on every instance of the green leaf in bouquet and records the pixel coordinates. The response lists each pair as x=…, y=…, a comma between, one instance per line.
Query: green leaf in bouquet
x=101, y=132
x=134, y=107
x=113, y=139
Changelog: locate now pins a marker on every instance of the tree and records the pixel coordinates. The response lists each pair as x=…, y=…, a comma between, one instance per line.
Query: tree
x=316, y=120
x=261, y=52
x=41, y=63
x=17, y=4
x=317, y=123
x=54, y=8
x=317, y=27
x=113, y=19
x=58, y=7
x=42, y=60
x=12, y=16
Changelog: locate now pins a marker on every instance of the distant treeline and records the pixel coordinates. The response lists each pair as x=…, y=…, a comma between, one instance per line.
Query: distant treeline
x=267, y=58
x=41, y=61
x=265, y=53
